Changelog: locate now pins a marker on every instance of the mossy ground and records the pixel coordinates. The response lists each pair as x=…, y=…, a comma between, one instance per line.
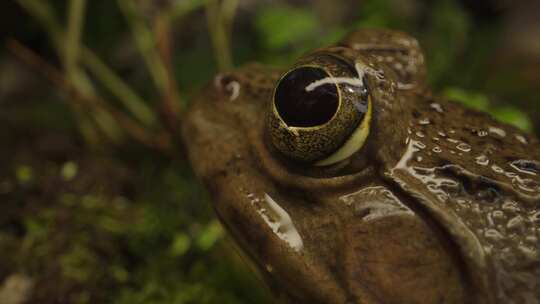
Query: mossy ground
x=91, y=220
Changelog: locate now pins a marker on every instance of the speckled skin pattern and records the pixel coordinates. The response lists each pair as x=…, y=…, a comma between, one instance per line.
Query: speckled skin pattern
x=440, y=205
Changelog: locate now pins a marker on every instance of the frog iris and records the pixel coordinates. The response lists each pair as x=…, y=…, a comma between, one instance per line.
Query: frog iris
x=320, y=111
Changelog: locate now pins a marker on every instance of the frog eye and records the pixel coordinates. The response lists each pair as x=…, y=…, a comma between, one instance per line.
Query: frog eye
x=321, y=111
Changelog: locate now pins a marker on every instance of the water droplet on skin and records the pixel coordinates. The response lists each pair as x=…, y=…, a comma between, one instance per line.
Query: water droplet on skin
x=419, y=159
x=498, y=214
x=464, y=147
x=526, y=184
x=510, y=174
x=482, y=133
x=437, y=107
x=493, y=234
x=530, y=167
x=510, y=206
x=280, y=223
x=437, y=149
x=487, y=248
x=489, y=219
x=419, y=145
x=535, y=218
x=497, y=131
x=441, y=134
x=528, y=253
x=515, y=223
x=436, y=139
x=497, y=169
x=531, y=239
x=420, y=134
x=424, y=121
x=521, y=139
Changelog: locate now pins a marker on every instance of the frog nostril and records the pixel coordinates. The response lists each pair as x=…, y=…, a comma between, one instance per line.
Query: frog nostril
x=306, y=97
x=227, y=84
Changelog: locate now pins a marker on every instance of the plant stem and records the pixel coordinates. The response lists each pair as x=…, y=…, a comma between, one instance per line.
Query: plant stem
x=43, y=13
x=146, y=43
x=73, y=37
x=219, y=19
x=118, y=87
x=91, y=102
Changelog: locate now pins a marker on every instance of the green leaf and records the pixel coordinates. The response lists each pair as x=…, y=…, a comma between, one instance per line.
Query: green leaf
x=514, y=117
x=210, y=235
x=282, y=26
x=24, y=174
x=472, y=100
x=446, y=38
x=180, y=244
x=480, y=102
x=69, y=170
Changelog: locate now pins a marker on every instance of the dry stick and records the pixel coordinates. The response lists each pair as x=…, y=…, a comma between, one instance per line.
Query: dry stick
x=170, y=101
x=138, y=133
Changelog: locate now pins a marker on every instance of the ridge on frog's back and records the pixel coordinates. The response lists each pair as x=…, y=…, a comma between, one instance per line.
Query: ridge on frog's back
x=346, y=181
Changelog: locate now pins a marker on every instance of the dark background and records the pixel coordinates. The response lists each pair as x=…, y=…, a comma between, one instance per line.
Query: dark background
x=98, y=204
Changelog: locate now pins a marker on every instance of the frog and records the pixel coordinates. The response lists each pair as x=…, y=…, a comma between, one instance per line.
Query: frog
x=344, y=179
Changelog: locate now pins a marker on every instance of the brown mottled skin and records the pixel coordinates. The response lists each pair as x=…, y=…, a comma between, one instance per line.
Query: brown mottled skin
x=440, y=205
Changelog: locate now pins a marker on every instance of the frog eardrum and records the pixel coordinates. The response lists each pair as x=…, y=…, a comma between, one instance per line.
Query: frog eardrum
x=321, y=110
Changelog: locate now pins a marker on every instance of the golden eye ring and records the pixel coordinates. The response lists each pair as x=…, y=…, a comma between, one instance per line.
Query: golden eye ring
x=321, y=111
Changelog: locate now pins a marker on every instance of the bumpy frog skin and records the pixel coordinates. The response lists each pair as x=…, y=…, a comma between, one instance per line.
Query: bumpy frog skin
x=441, y=204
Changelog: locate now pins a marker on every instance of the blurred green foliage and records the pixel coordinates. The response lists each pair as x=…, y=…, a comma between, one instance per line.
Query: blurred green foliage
x=280, y=26
x=479, y=101
x=124, y=224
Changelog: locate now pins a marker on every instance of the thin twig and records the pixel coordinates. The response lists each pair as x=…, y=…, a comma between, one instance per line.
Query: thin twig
x=172, y=105
x=73, y=37
x=146, y=43
x=133, y=129
x=220, y=16
x=69, y=52
x=170, y=99
x=44, y=14
x=118, y=87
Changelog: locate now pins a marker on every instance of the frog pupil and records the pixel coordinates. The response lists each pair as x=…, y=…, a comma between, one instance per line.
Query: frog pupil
x=302, y=105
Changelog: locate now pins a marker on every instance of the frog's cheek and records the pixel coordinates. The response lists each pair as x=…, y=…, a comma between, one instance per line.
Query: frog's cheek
x=353, y=144
x=398, y=257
